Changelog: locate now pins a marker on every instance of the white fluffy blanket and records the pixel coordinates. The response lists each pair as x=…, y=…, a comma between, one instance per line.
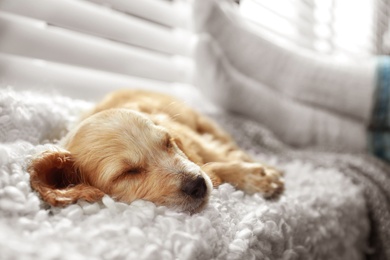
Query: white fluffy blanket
x=321, y=215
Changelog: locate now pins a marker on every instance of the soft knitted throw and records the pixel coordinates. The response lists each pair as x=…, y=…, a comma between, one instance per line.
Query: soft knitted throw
x=334, y=206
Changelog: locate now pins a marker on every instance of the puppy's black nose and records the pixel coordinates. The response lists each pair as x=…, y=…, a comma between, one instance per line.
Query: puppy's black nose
x=195, y=188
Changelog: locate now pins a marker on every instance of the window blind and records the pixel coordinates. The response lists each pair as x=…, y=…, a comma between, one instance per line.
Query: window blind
x=148, y=43
x=382, y=26
x=346, y=28
x=143, y=43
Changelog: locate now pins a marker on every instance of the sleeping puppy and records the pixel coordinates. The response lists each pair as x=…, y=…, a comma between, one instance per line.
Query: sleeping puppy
x=143, y=145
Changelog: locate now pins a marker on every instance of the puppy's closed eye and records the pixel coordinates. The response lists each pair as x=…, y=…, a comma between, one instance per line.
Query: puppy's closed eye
x=128, y=172
x=168, y=142
x=133, y=171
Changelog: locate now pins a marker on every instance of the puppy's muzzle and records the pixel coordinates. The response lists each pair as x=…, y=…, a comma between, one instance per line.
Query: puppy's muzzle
x=195, y=188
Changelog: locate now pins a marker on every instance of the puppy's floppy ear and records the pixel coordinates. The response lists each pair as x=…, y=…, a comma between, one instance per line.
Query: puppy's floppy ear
x=54, y=177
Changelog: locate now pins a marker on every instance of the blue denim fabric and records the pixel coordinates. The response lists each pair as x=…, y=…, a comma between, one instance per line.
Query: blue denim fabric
x=379, y=129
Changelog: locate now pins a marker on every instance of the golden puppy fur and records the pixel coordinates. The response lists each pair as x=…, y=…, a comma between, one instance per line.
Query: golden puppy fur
x=143, y=145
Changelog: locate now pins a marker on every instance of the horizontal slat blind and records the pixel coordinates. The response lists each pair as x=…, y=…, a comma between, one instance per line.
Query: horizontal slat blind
x=383, y=26
x=101, y=36
x=172, y=14
x=26, y=37
x=79, y=82
x=103, y=22
x=281, y=24
x=333, y=27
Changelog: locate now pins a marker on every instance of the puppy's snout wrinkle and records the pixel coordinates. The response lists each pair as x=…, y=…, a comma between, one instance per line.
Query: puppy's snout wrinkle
x=195, y=188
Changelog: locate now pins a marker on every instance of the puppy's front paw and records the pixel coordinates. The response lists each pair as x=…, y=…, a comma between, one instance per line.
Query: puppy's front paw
x=266, y=180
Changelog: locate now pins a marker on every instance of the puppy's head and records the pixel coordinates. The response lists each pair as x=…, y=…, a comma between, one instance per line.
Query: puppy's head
x=121, y=153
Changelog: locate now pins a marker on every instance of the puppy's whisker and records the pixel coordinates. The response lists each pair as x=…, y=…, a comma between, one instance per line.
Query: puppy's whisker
x=176, y=115
x=171, y=106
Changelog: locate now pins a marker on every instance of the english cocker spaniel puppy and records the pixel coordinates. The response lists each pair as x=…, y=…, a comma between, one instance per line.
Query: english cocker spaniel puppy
x=144, y=145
